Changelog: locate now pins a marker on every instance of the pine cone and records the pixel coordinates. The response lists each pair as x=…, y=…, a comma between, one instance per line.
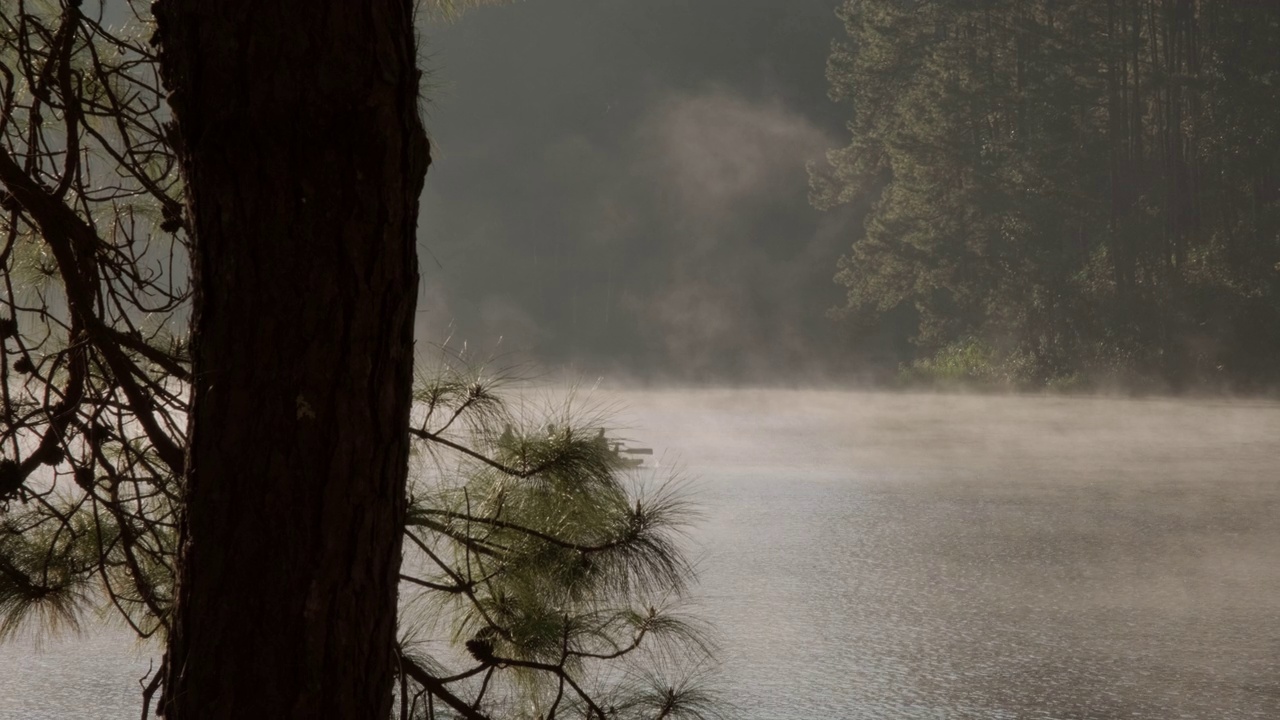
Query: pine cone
x=481, y=650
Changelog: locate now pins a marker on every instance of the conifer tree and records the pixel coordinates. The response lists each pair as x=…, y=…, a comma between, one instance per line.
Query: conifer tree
x=265, y=546
x=1063, y=189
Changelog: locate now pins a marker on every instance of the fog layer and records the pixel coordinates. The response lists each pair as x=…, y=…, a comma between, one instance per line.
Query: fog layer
x=621, y=187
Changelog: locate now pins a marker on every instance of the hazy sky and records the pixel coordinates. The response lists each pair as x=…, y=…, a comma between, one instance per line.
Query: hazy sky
x=620, y=187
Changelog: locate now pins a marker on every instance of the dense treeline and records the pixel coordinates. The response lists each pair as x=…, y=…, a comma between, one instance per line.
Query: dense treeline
x=1065, y=191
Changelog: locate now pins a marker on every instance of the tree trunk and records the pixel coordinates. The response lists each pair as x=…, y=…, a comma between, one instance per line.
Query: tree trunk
x=304, y=157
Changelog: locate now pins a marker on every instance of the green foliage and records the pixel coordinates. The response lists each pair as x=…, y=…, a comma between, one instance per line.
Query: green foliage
x=970, y=363
x=1088, y=187
x=556, y=567
x=47, y=571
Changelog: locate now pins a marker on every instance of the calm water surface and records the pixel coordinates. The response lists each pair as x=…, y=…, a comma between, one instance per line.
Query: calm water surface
x=899, y=556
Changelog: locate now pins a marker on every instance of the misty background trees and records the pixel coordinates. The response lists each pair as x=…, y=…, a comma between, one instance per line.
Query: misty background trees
x=729, y=277
x=647, y=163
x=1066, y=191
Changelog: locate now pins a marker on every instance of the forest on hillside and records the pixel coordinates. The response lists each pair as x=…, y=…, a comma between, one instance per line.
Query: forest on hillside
x=1063, y=193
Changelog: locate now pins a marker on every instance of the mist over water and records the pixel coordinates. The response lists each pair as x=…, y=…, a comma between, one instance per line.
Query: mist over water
x=910, y=556
x=877, y=555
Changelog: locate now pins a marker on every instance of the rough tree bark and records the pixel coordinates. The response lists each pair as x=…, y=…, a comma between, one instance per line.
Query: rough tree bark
x=298, y=131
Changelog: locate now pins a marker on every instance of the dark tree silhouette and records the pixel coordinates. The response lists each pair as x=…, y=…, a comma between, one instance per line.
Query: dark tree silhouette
x=244, y=494
x=303, y=159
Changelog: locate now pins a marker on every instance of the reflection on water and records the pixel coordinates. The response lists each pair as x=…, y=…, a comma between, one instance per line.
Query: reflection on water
x=898, y=556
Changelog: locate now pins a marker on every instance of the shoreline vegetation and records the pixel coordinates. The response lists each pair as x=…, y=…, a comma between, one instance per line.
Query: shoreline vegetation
x=972, y=365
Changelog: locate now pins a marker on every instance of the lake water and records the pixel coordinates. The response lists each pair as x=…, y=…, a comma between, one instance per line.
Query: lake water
x=910, y=556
